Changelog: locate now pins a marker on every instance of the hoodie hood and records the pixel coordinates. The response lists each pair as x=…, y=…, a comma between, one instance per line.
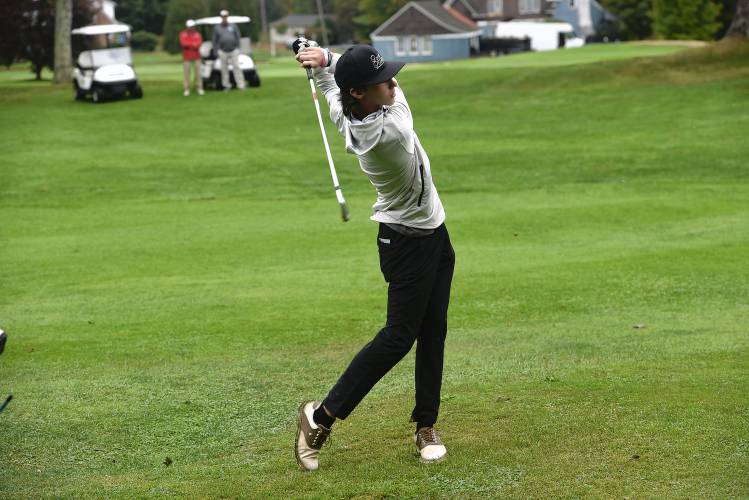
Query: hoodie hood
x=362, y=136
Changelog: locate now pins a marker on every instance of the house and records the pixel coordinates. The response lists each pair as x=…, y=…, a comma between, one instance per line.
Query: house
x=426, y=31
x=285, y=30
x=503, y=10
x=587, y=17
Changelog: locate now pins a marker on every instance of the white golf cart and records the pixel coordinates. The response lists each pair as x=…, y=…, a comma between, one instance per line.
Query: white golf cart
x=210, y=67
x=105, y=68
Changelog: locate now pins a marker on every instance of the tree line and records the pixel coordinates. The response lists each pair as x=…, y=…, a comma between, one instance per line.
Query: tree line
x=39, y=30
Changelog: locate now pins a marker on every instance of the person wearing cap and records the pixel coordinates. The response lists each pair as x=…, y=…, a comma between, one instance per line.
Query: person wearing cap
x=416, y=256
x=190, y=40
x=226, y=42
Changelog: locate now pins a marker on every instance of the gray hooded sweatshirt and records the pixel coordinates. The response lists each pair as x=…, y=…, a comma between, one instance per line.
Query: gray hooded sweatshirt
x=391, y=155
x=226, y=38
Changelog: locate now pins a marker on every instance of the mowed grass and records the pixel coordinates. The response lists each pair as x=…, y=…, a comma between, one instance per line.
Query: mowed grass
x=176, y=280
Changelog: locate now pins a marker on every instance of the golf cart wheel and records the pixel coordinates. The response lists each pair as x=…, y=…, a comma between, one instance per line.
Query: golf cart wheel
x=253, y=79
x=96, y=95
x=136, y=91
x=78, y=94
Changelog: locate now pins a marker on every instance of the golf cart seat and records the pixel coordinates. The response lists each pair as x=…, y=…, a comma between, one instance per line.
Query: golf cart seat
x=205, y=50
x=85, y=60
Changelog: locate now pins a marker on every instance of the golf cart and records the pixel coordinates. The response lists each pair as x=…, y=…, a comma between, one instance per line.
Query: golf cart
x=210, y=64
x=105, y=68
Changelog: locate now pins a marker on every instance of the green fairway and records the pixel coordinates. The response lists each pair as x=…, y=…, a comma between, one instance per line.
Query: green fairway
x=176, y=280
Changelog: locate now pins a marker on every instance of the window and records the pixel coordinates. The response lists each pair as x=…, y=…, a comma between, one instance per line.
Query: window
x=414, y=46
x=426, y=46
x=529, y=6
x=494, y=7
x=400, y=46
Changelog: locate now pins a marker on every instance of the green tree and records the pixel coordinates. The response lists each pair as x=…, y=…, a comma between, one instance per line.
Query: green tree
x=345, y=11
x=11, y=20
x=374, y=13
x=728, y=9
x=177, y=13
x=28, y=31
x=740, y=23
x=634, y=22
x=685, y=19
x=143, y=15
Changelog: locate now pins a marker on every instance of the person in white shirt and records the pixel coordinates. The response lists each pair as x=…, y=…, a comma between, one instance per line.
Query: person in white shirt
x=416, y=256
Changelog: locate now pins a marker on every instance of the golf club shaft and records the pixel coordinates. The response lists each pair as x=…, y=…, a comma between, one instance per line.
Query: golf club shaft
x=5, y=403
x=336, y=185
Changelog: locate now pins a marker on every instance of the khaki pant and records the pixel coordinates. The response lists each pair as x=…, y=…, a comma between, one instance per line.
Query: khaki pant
x=233, y=58
x=196, y=73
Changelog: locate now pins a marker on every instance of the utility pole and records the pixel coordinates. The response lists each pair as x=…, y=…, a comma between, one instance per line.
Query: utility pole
x=264, y=19
x=322, y=23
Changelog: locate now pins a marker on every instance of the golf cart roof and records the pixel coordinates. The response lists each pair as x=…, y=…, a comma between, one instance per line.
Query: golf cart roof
x=217, y=20
x=101, y=29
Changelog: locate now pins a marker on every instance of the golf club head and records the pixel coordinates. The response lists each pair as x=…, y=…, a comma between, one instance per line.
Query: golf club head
x=344, y=212
x=3, y=339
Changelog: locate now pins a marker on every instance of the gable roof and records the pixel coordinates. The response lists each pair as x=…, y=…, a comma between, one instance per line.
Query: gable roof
x=297, y=20
x=428, y=12
x=475, y=7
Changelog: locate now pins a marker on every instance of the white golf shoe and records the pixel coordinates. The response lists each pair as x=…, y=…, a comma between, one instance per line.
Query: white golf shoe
x=309, y=437
x=186, y=93
x=430, y=445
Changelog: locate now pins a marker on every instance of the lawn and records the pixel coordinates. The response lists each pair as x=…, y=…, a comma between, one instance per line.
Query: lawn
x=176, y=279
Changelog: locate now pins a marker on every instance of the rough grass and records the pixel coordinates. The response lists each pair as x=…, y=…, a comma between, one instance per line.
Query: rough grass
x=176, y=280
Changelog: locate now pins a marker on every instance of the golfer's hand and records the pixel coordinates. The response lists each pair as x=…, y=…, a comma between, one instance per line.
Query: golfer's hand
x=312, y=57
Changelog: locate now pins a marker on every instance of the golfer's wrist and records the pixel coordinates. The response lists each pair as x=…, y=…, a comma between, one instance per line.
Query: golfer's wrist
x=328, y=57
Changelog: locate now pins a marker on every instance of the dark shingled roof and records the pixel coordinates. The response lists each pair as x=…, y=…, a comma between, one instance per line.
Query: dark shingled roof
x=438, y=11
x=424, y=18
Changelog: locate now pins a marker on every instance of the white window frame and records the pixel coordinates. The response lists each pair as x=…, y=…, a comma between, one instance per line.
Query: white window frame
x=401, y=48
x=495, y=7
x=425, y=44
x=529, y=7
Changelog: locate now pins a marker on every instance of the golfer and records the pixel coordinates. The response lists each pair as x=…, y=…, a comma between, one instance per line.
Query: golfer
x=226, y=39
x=190, y=40
x=416, y=257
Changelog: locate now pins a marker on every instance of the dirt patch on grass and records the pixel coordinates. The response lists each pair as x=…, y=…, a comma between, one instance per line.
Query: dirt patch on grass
x=681, y=43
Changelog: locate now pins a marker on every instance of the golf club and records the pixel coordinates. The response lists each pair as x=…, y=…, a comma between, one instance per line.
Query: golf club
x=300, y=44
x=3, y=339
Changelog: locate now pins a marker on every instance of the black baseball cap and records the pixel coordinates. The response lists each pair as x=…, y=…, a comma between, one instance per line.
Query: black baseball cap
x=361, y=66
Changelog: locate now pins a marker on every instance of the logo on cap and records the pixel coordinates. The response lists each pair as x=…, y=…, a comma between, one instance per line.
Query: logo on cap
x=377, y=61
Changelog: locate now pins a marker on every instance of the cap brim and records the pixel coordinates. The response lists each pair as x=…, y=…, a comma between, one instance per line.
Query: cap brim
x=391, y=68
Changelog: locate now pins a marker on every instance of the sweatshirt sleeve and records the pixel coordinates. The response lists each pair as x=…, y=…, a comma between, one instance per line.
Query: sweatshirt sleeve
x=326, y=83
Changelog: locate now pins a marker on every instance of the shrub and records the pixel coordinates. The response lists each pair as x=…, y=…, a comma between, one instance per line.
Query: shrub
x=685, y=19
x=145, y=41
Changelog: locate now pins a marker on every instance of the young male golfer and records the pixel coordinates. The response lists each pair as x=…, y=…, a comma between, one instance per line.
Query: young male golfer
x=416, y=257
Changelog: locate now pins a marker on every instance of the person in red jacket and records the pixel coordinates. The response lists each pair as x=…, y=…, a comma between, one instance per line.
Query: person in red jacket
x=190, y=40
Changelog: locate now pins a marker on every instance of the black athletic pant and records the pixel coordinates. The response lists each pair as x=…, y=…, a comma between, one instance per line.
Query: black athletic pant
x=419, y=271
